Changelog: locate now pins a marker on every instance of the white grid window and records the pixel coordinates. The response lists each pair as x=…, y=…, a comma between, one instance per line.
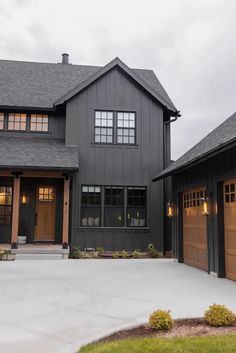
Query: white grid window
x=17, y=122
x=125, y=128
x=103, y=127
x=39, y=122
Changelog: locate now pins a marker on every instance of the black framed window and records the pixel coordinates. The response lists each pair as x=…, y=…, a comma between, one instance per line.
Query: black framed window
x=39, y=123
x=103, y=127
x=136, y=206
x=126, y=128
x=1, y=121
x=17, y=122
x=5, y=205
x=91, y=206
x=114, y=206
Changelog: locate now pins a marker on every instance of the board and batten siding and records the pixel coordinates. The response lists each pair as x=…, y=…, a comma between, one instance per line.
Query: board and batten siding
x=101, y=164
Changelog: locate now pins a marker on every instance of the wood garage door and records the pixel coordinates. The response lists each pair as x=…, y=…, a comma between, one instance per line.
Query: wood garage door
x=195, y=229
x=230, y=228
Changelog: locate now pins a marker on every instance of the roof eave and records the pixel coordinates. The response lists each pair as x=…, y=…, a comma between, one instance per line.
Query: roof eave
x=212, y=153
x=38, y=168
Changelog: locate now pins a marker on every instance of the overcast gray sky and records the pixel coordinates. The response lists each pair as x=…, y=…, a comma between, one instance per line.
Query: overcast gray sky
x=190, y=44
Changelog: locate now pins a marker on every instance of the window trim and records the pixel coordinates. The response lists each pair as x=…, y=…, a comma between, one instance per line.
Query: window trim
x=38, y=131
x=123, y=128
x=15, y=130
x=92, y=206
x=106, y=127
x=6, y=205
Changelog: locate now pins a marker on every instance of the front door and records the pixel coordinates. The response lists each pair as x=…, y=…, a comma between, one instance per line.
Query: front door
x=45, y=213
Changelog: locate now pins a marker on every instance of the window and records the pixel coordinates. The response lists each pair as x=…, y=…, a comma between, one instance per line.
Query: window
x=1, y=121
x=46, y=194
x=229, y=193
x=125, y=128
x=136, y=207
x=193, y=199
x=91, y=206
x=103, y=127
x=5, y=205
x=17, y=122
x=39, y=122
x=114, y=207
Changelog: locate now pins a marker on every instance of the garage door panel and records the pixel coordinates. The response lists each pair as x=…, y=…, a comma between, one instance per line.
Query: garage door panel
x=230, y=228
x=194, y=230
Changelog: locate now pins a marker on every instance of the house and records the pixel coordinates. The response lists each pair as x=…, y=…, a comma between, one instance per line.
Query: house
x=78, y=148
x=203, y=202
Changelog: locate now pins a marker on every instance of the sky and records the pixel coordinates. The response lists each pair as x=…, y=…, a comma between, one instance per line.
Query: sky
x=190, y=44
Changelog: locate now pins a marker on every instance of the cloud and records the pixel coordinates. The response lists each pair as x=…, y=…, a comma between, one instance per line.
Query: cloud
x=189, y=44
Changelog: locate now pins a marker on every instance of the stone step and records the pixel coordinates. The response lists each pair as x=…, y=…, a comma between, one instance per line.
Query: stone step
x=44, y=257
x=31, y=251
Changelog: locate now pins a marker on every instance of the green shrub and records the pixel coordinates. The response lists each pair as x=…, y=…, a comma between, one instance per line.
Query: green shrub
x=161, y=320
x=152, y=251
x=136, y=254
x=76, y=253
x=124, y=254
x=115, y=255
x=218, y=315
x=100, y=251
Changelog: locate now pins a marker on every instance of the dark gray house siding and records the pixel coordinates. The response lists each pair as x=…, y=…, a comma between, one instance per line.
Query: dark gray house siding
x=117, y=165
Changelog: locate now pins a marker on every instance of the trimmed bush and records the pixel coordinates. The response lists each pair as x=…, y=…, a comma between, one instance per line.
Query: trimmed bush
x=100, y=251
x=76, y=253
x=160, y=320
x=124, y=254
x=116, y=255
x=136, y=254
x=218, y=315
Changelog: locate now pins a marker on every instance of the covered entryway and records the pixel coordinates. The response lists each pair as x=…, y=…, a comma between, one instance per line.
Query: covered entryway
x=230, y=228
x=195, y=248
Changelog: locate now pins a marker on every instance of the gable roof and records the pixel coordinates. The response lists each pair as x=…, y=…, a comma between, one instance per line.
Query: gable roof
x=40, y=85
x=45, y=153
x=223, y=137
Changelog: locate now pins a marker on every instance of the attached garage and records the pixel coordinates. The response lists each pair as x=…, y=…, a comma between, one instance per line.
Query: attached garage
x=195, y=250
x=230, y=229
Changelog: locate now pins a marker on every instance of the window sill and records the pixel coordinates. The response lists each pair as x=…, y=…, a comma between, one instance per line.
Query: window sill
x=114, y=228
x=114, y=145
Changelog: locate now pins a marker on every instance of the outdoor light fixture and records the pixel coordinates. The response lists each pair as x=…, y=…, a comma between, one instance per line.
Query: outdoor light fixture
x=169, y=209
x=24, y=198
x=204, y=206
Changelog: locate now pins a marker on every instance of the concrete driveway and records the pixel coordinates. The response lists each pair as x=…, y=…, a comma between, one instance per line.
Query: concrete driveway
x=56, y=306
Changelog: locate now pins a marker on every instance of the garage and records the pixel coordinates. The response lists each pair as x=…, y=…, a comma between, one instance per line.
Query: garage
x=195, y=249
x=230, y=228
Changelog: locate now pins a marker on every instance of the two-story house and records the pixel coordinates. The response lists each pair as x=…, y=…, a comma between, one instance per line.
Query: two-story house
x=79, y=146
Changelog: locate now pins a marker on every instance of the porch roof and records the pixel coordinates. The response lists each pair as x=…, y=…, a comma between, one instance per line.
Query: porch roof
x=37, y=153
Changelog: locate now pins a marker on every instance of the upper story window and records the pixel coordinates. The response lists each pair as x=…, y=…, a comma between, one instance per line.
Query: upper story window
x=17, y=122
x=103, y=127
x=125, y=128
x=115, y=127
x=39, y=123
x=1, y=121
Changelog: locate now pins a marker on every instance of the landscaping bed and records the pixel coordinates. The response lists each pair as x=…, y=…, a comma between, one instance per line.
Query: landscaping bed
x=181, y=328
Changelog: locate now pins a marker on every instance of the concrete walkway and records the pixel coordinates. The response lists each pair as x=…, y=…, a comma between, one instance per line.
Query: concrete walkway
x=57, y=306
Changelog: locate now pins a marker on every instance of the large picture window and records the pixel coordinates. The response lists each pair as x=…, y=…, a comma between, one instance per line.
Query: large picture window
x=125, y=128
x=103, y=127
x=1, y=121
x=136, y=208
x=39, y=123
x=5, y=205
x=91, y=206
x=114, y=206
x=17, y=122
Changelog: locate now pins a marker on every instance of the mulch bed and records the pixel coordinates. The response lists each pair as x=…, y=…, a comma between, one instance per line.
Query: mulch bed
x=181, y=328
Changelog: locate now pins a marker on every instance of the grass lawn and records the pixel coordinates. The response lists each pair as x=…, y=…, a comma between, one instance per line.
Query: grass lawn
x=207, y=344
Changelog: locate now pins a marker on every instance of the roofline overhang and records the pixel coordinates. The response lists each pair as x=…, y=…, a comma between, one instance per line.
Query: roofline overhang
x=115, y=63
x=214, y=152
x=37, y=168
x=19, y=107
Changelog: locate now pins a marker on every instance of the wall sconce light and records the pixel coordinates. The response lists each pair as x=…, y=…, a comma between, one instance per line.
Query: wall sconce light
x=24, y=198
x=204, y=206
x=169, y=209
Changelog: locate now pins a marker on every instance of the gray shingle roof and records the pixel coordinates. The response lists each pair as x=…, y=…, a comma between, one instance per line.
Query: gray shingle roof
x=222, y=136
x=31, y=152
x=39, y=85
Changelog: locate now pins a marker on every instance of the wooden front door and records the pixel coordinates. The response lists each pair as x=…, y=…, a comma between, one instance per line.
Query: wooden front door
x=230, y=228
x=194, y=230
x=45, y=213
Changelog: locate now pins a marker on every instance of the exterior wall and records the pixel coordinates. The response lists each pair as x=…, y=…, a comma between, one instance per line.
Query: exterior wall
x=116, y=164
x=211, y=173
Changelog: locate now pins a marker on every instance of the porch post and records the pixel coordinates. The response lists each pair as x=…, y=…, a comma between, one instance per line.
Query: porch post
x=15, y=212
x=66, y=207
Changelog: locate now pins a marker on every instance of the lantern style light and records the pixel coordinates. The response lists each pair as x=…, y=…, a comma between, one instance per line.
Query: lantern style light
x=169, y=209
x=204, y=206
x=24, y=198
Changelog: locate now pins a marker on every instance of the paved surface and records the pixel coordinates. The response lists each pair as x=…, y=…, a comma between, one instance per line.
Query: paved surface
x=56, y=306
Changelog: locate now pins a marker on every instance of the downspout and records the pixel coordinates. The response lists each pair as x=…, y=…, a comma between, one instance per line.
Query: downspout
x=165, y=165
